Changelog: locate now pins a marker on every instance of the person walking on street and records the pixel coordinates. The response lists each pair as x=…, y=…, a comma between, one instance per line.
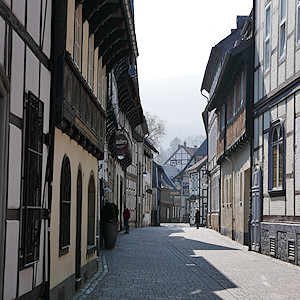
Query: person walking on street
x=197, y=218
x=126, y=215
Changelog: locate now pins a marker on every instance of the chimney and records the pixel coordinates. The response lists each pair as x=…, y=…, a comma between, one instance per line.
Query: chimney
x=184, y=144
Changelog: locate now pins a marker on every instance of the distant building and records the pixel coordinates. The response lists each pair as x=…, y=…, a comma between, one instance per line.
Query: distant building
x=183, y=180
x=170, y=200
x=197, y=175
x=181, y=156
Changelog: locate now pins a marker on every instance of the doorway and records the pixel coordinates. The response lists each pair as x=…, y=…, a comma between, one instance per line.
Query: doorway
x=78, y=229
x=256, y=209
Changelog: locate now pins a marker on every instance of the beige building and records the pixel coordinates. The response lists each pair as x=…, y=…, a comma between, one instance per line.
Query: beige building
x=88, y=46
x=228, y=81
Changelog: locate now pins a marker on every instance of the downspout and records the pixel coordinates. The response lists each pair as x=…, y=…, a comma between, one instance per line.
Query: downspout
x=54, y=54
x=157, y=208
x=252, y=123
x=208, y=179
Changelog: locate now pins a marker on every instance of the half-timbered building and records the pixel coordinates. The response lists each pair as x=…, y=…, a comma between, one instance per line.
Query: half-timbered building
x=25, y=79
x=230, y=99
x=276, y=111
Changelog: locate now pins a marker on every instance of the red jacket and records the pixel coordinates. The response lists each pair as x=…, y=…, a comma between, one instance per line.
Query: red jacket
x=126, y=214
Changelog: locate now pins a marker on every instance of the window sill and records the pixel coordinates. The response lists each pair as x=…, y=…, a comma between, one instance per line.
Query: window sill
x=90, y=250
x=282, y=59
x=276, y=193
x=63, y=251
x=267, y=71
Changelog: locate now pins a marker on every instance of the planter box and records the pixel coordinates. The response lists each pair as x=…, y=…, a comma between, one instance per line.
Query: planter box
x=110, y=233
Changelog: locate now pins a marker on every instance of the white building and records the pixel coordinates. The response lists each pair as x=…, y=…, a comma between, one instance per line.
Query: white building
x=276, y=151
x=197, y=175
x=25, y=78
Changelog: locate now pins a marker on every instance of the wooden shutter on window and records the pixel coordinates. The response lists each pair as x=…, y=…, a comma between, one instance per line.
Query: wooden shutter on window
x=32, y=201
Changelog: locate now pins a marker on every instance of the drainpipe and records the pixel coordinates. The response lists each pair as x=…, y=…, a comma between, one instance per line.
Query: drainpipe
x=54, y=55
x=252, y=124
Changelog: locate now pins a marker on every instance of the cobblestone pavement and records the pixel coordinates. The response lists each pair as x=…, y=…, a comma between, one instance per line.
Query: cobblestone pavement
x=175, y=261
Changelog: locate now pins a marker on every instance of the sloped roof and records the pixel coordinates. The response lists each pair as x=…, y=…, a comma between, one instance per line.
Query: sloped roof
x=217, y=55
x=178, y=148
x=167, y=182
x=171, y=171
x=197, y=165
x=202, y=150
x=191, y=150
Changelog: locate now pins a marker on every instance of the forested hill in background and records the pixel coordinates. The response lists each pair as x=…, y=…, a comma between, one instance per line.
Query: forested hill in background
x=178, y=102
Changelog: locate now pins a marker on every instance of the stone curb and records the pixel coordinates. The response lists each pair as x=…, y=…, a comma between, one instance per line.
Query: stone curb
x=90, y=285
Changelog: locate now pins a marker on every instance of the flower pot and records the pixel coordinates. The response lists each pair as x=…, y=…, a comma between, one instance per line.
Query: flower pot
x=110, y=233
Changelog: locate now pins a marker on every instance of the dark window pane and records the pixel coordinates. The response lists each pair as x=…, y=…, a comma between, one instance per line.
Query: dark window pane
x=65, y=203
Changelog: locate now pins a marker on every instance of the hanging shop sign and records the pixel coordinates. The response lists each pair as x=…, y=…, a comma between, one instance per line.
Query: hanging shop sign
x=121, y=145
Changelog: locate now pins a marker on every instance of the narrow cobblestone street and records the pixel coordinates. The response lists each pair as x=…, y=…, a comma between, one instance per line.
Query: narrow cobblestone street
x=175, y=261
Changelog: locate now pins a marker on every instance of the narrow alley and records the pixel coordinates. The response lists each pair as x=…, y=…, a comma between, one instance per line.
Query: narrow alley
x=176, y=261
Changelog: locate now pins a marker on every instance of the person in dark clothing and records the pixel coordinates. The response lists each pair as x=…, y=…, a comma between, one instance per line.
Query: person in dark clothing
x=126, y=215
x=197, y=218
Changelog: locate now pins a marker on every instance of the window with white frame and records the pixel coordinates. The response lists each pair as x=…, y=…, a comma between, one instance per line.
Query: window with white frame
x=91, y=61
x=276, y=156
x=78, y=36
x=267, y=57
x=298, y=21
x=282, y=29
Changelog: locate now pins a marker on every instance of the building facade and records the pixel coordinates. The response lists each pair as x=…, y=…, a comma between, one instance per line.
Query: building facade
x=213, y=172
x=182, y=180
x=93, y=50
x=197, y=175
x=25, y=78
x=230, y=99
x=276, y=200
x=181, y=156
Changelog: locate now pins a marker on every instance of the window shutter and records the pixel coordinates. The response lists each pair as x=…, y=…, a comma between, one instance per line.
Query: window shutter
x=32, y=206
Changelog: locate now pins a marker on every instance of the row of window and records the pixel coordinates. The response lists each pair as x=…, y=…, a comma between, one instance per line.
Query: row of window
x=65, y=206
x=235, y=102
x=282, y=31
x=92, y=75
x=275, y=166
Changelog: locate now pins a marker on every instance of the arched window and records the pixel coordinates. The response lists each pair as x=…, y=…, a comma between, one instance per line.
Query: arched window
x=276, y=156
x=65, y=206
x=91, y=212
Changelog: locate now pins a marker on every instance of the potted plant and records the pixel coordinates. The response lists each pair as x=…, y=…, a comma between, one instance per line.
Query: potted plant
x=110, y=224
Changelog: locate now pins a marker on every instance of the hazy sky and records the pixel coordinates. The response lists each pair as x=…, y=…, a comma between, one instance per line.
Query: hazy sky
x=174, y=40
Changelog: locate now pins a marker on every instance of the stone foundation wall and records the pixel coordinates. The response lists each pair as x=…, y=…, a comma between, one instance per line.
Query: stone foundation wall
x=281, y=241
